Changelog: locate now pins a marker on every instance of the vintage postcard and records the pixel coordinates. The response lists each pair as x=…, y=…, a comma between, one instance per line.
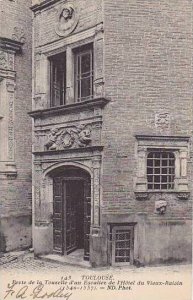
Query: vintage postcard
x=96, y=155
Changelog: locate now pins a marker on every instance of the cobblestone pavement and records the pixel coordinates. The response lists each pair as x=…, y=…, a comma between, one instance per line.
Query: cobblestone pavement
x=26, y=261
x=129, y=283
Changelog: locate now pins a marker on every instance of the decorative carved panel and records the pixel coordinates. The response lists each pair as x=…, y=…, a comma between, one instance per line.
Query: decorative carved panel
x=162, y=120
x=76, y=136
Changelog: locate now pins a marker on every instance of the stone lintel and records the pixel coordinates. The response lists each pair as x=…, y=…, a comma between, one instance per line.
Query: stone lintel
x=84, y=149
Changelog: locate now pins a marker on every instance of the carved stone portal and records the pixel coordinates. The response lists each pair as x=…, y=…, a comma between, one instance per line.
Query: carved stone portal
x=77, y=136
x=67, y=19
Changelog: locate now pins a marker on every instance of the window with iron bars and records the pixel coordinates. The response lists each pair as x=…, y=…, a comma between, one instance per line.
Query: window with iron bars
x=160, y=170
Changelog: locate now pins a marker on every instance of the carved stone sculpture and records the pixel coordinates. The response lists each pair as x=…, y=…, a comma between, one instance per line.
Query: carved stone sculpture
x=160, y=207
x=19, y=34
x=67, y=19
x=162, y=120
x=77, y=136
x=3, y=60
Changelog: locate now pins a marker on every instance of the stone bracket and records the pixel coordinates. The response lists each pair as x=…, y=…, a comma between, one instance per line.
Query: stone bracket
x=141, y=196
x=183, y=195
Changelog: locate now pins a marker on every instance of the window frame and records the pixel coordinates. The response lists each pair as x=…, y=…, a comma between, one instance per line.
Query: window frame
x=52, y=64
x=161, y=175
x=179, y=145
x=79, y=52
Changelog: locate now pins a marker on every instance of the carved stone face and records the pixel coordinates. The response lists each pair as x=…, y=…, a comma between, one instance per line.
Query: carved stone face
x=67, y=13
x=67, y=19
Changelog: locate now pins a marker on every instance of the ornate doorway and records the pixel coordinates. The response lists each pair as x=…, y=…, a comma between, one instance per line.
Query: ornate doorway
x=71, y=211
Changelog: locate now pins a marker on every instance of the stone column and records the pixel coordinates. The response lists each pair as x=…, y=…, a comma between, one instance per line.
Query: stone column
x=183, y=181
x=7, y=95
x=98, y=241
x=42, y=87
x=141, y=184
x=99, y=65
x=43, y=227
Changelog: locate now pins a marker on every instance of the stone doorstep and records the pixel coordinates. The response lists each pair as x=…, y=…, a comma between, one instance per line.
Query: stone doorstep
x=65, y=260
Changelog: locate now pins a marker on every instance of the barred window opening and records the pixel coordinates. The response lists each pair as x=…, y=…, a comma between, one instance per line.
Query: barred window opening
x=160, y=170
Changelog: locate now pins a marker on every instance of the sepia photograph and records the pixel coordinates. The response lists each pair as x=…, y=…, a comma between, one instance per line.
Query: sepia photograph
x=96, y=149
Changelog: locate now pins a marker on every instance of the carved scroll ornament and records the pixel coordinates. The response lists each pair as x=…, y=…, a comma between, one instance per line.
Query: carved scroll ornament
x=77, y=136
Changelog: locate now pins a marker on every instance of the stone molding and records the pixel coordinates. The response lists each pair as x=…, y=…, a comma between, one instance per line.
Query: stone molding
x=68, y=150
x=38, y=5
x=183, y=195
x=43, y=184
x=96, y=102
x=179, y=145
x=10, y=45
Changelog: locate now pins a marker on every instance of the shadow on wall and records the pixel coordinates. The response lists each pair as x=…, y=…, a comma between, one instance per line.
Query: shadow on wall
x=2, y=240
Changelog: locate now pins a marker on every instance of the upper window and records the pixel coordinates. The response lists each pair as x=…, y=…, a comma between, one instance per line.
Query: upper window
x=160, y=170
x=58, y=80
x=84, y=73
x=82, y=87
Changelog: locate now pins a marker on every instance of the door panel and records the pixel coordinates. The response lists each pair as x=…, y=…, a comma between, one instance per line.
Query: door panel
x=87, y=218
x=58, y=216
x=71, y=215
x=71, y=228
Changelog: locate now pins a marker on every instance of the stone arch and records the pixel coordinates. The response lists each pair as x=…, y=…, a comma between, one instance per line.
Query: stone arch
x=55, y=166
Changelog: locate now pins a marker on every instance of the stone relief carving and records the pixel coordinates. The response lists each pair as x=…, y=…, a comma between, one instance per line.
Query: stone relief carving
x=3, y=60
x=77, y=136
x=183, y=195
x=141, y=196
x=6, y=60
x=11, y=128
x=160, y=207
x=19, y=35
x=162, y=120
x=67, y=19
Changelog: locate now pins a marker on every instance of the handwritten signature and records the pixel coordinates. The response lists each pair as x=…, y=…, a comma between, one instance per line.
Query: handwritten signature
x=39, y=292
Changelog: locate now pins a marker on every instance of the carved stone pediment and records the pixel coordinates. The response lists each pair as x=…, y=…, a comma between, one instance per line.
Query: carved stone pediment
x=76, y=136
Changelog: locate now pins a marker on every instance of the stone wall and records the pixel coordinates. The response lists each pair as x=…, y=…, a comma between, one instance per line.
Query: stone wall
x=15, y=181
x=148, y=76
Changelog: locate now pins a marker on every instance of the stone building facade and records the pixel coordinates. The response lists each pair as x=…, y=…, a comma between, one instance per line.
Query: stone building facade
x=15, y=124
x=112, y=120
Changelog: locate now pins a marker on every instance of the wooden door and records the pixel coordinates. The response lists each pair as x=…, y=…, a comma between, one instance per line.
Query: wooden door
x=58, y=216
x=71, y=215
x=87, y=218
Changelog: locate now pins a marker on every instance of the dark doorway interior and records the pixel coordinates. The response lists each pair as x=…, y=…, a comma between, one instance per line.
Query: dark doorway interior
x=74, y=191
